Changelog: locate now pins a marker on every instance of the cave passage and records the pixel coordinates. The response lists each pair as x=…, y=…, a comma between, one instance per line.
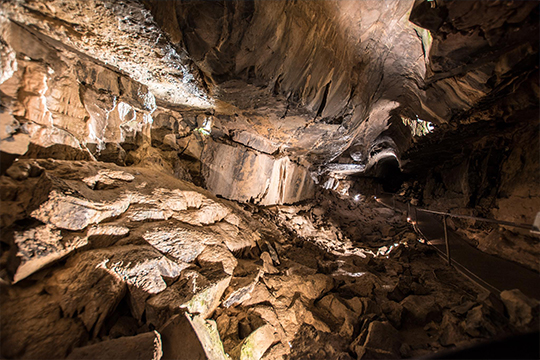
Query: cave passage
x=202, y=179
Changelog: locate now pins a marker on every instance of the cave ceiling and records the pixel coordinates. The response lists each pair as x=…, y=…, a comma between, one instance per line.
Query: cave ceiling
x=326, y=83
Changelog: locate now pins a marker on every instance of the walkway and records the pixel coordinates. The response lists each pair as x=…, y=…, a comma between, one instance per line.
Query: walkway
x=492, y=272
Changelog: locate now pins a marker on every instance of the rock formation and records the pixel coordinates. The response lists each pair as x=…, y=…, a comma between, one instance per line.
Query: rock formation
x=203, y=171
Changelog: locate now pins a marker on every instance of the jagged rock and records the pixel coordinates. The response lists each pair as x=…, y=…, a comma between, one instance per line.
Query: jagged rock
x=382, y=342
x=198, y=292
x=218, y=254
x=105, y=235
x=451, y=334
x=255, y=141
x=241, y=289
x=8, y=62
x=234, y=239
x=337, y=308
x=72, y=213
x=105, y=179
x=178, y=327
x=259, y=295
x=209, y=336
x=35, y=327
x=112, y=153
x=310, y=286
x=124, y=326
x=362, y=285
x=41, y=246
x=477, y=323
x=268, y=266
x=182, y=243
x=295, y=315
x=393, y=312
x=420, y=309
x=210, y=212
x=520, y=308
x=12, y=141
x=139, y=347
x=85, y=290
x=255, y=345
x=287, y=182
x=93, y=282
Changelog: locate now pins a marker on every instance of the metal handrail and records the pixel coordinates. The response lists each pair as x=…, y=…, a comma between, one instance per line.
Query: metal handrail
x=494, y=221
x=445, y=215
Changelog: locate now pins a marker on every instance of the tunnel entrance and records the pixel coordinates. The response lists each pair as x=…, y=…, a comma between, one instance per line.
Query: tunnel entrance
x=388, y=174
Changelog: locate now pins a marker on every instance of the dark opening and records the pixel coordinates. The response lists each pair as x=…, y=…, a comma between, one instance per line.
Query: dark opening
x=388, y=173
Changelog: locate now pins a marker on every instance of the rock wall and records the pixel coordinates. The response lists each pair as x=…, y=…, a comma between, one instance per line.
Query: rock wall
x=235, y=172
x=59, y=102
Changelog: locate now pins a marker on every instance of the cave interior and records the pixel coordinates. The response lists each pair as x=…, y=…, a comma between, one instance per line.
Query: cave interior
x=254, y=179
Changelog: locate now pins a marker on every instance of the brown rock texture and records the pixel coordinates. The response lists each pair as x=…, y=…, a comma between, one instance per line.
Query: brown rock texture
x=194, y=179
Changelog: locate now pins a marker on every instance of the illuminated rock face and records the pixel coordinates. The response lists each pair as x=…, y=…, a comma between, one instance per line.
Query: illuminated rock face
x=161, y=164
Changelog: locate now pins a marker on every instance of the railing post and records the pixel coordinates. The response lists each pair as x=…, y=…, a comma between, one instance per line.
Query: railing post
x=394, y=201
x=409, y=211
x=416, y=215
x=446, y=241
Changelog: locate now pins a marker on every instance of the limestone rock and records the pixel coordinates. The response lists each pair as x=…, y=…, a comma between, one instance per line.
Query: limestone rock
x=393, y=312
x=34, y=326
x=210, y=212
x=139, y=347
x=382, y=342
x=452, y=333
x=256, y=344
x=420, y=309
x=218, y=254
x=285, y=182
x=520, y=308
x=105, y=235
x=241, y=289
x=179, y=327
x=209, y=336
x=106, y=179
x=73, y=213
x=310, y=286
x=196, y=292
x=8, y=62
x=268, y=266
x=40, y=246
x=182, y=243
x=233, y=238
x=477, y=323
x=11, y=141
x=337, y=308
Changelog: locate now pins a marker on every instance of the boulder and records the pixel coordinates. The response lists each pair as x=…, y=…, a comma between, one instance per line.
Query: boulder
x=198, y=292
x=35, y=327
x=180, y=242
x=478, y=323
x=190, y=348
x=382, y=342
x=521, y=309
x=213, y=254
x=140, y=347
x=74, y=213
x=41, y=246
x=420, y=309
x=255, y=345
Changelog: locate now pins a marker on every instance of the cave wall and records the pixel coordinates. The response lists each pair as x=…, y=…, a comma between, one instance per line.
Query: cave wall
x=313, y=69
x=60, y=102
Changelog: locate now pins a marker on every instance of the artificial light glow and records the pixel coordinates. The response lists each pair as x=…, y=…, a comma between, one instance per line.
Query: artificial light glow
x=356, y=197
